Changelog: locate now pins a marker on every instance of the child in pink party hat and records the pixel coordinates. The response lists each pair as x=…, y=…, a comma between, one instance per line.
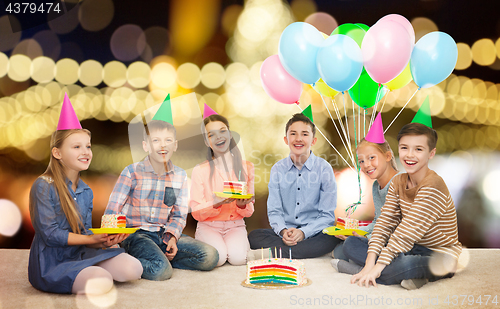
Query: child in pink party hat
x=220, y=219
x=65, y=257
x=415, y=239
x=376, y=160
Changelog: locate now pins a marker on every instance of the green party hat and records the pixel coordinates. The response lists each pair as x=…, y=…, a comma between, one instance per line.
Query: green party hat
x=164, y=113
x=423, y=115
x=308, y=113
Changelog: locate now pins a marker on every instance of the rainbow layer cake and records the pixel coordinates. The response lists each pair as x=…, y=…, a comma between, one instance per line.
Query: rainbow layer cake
x=113, y=221
x=235, y=187
x=349, y=223
x=276, y=272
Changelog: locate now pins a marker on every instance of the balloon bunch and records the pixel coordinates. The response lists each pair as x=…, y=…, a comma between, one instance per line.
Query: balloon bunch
x=358, y=59
x=367, y=62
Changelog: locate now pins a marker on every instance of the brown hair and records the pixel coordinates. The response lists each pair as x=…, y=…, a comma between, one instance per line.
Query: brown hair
x=383, y=148
x=415, y=128
x=300, y=117
x=155, y=125
x=55, y=171
x=235, y=152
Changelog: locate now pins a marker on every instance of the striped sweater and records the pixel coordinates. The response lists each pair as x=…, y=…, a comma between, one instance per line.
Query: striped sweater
x=423, y=215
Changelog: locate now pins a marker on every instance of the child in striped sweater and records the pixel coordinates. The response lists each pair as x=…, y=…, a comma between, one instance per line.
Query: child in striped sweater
x=415, y=239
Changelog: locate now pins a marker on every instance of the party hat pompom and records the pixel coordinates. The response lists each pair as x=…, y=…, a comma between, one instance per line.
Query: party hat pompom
x=164, y=113
x=68, y=119
x=376, y=132
x=207, y=111
x=308, y=113
x=423, y=115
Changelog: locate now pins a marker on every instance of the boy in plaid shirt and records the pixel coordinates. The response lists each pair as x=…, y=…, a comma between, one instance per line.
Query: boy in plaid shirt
x=153, y=194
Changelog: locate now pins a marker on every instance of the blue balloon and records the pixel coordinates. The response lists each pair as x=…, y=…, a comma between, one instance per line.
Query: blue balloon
x=340, y=62
x=297, y=51
x=433, y=59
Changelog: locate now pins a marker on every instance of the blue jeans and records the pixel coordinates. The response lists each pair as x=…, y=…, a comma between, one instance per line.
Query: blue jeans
x=315, y=246
x=413, y=264
x=338, y=252
x=149, y=249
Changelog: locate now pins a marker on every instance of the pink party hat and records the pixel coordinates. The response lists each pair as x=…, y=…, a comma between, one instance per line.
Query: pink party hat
x=68, y=119
x=376, y=132
x=207, y=111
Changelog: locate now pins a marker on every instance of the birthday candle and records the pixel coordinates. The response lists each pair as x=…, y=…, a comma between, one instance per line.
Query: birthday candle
x=280, y=254
x=290, y=254
x=270, y=254
x=275, y=253
x=262, y=252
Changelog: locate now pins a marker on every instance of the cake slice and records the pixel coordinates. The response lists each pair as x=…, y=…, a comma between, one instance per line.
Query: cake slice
x=113, y=221
x=235, y=187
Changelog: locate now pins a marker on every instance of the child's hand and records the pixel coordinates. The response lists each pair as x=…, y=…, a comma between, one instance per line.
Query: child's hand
x=368, y=275
x=296, y=234
x=171, y=248
x=242, y=203
x=115, y=239
x=342, y=237
x=287, y=239
x=218, y=201
x=357, y=235
x=98, y=240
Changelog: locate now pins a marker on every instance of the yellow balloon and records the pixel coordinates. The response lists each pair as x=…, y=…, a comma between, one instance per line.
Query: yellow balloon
x=401, y=80
x=325, y=36
x=322, y=88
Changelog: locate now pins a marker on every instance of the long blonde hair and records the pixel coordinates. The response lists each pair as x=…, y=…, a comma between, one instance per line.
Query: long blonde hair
x=383, y=148
x=55, y=171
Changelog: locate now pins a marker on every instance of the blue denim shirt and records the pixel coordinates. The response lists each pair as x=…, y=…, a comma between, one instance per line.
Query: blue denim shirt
x=304, y=198
x=53, y=264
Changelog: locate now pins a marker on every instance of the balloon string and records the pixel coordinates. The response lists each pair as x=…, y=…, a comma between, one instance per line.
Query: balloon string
x=356, y=147
x=364, y=121
x=346, y=124
x=339, y=117
x=359, y=123
x=383, y=105
x=372, y=118
x=330, y=143
x=401, y=110
x=336, y=128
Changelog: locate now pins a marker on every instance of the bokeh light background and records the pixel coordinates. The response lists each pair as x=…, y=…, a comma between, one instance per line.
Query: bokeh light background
x=117, y=58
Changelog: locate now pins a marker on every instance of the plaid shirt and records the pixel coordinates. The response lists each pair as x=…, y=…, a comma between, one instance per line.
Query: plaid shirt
x=139, y=194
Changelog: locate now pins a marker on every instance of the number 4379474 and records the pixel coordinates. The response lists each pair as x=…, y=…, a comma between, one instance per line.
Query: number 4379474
x=470, y=300
x=32, y=8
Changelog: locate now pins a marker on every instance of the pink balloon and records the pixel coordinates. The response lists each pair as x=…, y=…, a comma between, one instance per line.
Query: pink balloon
x=277, y=83
x=403, y=22
x=386, y=50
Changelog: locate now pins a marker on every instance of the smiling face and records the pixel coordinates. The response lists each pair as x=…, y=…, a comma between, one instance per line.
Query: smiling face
x=373, y=162
x=218, y=137
x=414, y=154
x=74, y=153
x=161, y=145
x=299, y=138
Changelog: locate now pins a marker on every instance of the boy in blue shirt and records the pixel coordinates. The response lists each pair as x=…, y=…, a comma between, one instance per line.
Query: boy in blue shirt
x=302, y=198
